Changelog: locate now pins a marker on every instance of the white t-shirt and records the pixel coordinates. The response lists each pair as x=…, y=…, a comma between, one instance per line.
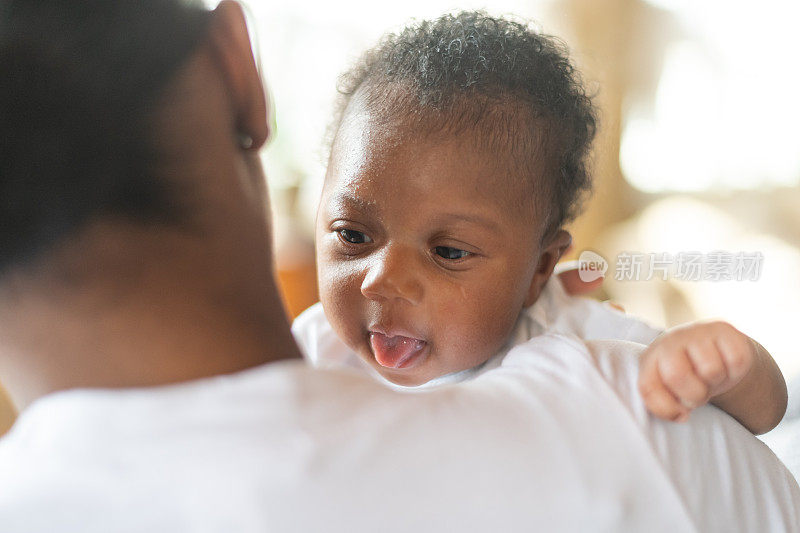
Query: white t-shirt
x=784, y=440
x=554, y=312
x=557, y=312
x=553, y=439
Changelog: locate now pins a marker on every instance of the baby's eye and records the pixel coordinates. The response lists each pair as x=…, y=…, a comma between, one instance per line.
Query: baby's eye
x=353, y=236
x=448, y=252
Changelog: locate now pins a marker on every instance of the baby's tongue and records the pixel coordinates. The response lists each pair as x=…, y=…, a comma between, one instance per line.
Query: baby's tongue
x=392, y=352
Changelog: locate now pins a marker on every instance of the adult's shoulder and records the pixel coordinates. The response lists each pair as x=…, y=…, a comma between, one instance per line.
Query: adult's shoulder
x=729, y=480
x=520, y=446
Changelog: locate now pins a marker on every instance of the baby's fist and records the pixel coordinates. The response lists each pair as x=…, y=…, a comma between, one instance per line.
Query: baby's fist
x=688, y=365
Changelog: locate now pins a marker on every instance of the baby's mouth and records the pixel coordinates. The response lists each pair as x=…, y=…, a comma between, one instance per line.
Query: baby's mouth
x=395, y=351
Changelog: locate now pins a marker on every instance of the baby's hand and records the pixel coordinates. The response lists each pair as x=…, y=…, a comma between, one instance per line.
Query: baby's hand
x=688, y=365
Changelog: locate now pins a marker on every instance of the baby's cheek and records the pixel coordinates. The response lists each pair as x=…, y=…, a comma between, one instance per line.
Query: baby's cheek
x=338, y=280
x=340, y=294
x=475, y=330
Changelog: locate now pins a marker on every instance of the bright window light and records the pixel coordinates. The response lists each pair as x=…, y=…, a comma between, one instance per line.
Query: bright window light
x=725, y=113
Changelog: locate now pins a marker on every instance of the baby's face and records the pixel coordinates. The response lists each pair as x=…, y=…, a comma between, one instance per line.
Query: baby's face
x=425, y=253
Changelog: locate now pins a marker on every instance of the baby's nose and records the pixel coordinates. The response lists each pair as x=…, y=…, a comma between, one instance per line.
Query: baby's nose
x=393, y=274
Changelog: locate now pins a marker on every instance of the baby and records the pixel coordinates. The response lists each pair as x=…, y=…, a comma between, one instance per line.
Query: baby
x=458, y=157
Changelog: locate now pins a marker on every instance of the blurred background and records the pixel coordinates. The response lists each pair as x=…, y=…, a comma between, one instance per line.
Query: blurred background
x=698, y=153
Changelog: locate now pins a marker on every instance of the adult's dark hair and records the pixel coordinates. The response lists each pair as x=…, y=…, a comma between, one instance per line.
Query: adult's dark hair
x=78, y=82
x=473, y=71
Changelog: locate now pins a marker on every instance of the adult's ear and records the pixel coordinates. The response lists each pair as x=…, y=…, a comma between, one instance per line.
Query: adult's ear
x=548, y=258
x=231, y=44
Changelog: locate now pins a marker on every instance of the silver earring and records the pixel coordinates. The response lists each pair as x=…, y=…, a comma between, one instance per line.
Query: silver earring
x=244, y=140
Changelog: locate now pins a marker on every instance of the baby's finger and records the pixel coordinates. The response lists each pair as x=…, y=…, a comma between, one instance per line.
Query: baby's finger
x=738, y=352
x=679, y=377
x=659, y=400
x=708, y=363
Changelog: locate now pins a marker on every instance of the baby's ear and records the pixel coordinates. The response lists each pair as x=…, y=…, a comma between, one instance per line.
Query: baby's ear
x=549, y=256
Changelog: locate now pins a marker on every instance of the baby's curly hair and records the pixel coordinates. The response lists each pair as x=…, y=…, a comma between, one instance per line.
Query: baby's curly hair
x=491, y=75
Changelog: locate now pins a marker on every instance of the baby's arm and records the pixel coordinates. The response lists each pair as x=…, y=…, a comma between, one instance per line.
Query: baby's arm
x=691, y=365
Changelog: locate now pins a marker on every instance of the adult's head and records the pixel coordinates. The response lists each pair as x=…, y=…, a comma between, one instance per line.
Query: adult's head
x=132, y=203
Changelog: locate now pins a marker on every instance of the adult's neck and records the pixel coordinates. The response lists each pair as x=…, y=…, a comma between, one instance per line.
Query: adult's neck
x=136, y=308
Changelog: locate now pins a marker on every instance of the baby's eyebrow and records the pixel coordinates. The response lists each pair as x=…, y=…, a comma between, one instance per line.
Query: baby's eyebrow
x=349, y=201
x=472, y=218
